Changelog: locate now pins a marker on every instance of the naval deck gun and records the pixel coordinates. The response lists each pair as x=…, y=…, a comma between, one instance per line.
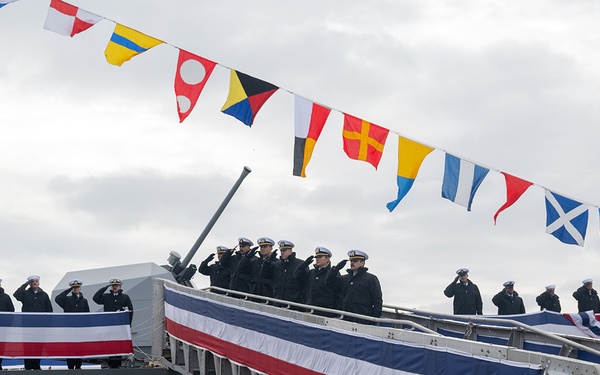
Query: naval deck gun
x=179, y=268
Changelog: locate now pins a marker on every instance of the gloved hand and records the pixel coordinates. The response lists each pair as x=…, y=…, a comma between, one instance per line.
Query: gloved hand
x=252, y=252
x=341, y=264
x=210, y=257
x=456, y=278
x=273, y=255
x=307, y=262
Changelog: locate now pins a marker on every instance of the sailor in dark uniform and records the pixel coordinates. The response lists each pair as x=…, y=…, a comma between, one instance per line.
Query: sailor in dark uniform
x=549, y=300
x=587, y=297
x=5, y=305
x=114, y=300
x=467, y=299
x=285, y=286
x=508, y=300
x=34, y=299
x=240, y=267
x=75, y=303
x=262, y=268
x=318, y=293
x=218, y=272
x=360, y=291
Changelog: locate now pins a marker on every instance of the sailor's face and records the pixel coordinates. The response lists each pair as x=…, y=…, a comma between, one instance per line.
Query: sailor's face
x=463, y=278
x=115, y=287
x=321, y=260
x=244, y=249
x=265, y=250
x=356, y=264
x=285, y=253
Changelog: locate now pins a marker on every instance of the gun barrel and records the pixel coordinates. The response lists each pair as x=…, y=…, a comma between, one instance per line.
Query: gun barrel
x=214, y=218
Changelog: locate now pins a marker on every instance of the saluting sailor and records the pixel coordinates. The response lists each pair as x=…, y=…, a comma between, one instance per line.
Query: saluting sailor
x=587, y=297
x=75, y=303
x=34, y=299
x=114, y=300
x=467, y=298
x=549, y=300
x=318, y=293
x=262, y=268
x=360, y=291
x=285, y=286
x=508, y=300
x=239, y=264
x=219, y=273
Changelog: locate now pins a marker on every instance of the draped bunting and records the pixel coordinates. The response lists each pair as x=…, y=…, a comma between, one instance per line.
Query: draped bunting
x=247, y=95
x=64, y=335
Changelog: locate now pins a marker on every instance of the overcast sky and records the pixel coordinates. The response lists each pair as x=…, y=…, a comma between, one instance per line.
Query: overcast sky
x=96, y=170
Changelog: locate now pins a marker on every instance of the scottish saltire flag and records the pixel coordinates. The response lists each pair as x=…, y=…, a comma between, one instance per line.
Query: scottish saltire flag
x=64, y=335
x=126, y=43
x=410, y=156
x=68, y=20
x=277, y=345
x=461, y=180
x=4, y=2
x=246, y=96
x=191, y=76
x=586, y=321
x=309, y=120
x=363, y=140
x=515, y=187
x=566, y=219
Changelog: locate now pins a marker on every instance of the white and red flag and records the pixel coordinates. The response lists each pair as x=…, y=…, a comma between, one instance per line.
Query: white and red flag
x=68, y=20
x=191, y=76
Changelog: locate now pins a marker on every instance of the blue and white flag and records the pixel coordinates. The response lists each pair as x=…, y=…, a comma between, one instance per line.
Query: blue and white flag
x=4, y=2
x=461, y=180
x=566, y=219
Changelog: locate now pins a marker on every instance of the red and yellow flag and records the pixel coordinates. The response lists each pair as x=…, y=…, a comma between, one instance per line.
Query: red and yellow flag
x=363, y=140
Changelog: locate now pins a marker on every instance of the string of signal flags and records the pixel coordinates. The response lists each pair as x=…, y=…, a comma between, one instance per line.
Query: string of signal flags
x=566, y=218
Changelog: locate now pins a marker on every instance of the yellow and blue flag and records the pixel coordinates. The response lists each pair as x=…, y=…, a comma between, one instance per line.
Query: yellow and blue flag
x=410, y=156
x=126, y=43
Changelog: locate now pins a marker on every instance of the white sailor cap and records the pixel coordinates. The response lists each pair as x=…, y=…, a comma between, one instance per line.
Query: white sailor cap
x=285, y=244
x=320, y=250
x=462, y=271
x=509, y=284
x=222, y=249
x=243, y=241
x=75, y=283
x=357, y=254
x=265, y=241
x=588, y=281
x=33, y=277
x=115, y=281
x=550, y=287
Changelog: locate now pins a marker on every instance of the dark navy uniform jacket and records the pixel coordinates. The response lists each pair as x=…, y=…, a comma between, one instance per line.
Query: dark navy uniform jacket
x=360, y=293
x=467, y=299
x=112, y=302
x=508, y=305
x=72, y=303
x=33, y=302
